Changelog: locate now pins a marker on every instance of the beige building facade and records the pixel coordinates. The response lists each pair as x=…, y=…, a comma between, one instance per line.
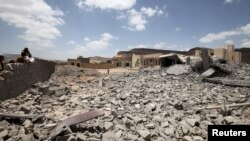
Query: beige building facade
x=227, y=53
x=147, y=60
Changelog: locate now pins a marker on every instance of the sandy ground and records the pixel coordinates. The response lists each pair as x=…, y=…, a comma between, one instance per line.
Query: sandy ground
x=118, y=70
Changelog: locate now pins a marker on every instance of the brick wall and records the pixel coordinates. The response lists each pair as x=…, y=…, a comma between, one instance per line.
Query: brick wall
x=19, y=77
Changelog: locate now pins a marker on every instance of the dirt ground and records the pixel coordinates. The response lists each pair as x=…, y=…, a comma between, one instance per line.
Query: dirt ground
x=117, y=70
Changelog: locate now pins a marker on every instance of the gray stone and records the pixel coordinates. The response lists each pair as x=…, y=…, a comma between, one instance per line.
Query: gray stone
x=28, y=123
x=164, y=124
x=208, y=73
x=108, y=136
x=118, y=134
x=137, y=106
x=137, y=119
x=192, y=122
x=101, y=83
x=123, y=97
x=27, y=137
x=108, y=125
x=145, y=134
x=75, y=88
x=229, y=119
x=197, y=138
x=187, y=138
x=150, y=126
x=4, y=134
x=132, y=136
x=44, y=89
x=93, y=139
x=81, y=137
x=178, y=105
x=178, y=69
x=25, y=109
x=62, y=98
x=169, y=131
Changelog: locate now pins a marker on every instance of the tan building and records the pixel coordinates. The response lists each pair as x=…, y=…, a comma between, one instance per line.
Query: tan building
x=147, y=60
x=77, y=62
x=227, y=53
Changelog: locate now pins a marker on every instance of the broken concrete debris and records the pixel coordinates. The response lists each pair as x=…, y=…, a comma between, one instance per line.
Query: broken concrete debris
x=148, y=105
x=208, y=73
x=74, y=120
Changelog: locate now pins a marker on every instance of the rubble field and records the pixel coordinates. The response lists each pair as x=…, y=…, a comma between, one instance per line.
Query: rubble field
x=152, y=105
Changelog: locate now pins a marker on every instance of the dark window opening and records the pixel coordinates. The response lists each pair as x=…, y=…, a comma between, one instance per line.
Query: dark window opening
x=127, y=64
x=72, y=64
x=78, y=65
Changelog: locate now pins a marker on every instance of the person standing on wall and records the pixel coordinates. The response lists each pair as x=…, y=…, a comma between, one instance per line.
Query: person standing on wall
x=1, y=62
x=27, y=55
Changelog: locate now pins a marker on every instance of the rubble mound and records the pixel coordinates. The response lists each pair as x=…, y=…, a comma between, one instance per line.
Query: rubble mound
x=148, y=105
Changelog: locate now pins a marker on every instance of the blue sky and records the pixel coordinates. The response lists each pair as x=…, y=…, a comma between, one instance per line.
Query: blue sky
x=61, y=29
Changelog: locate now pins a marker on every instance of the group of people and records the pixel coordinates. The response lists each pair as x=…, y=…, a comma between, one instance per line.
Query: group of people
x=26, y=57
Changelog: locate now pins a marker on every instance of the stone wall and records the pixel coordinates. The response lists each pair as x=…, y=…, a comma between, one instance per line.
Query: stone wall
x=18, y=77
x=98, y=66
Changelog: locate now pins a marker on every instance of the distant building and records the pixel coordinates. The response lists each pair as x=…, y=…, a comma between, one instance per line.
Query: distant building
x=78, y=62
x=122, y=59
x=229, y=54
x=147, y=60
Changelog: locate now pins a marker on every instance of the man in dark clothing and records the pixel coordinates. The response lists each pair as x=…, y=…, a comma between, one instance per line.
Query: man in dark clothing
x=1, y=62
x=26, y=52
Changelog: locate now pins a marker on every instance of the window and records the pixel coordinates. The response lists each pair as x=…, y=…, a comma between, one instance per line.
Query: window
x=78, y=64
x=72, y=64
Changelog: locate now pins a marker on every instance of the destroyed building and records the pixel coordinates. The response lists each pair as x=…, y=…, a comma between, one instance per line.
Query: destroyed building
x=227, y=53
x=78, y=62
x=122, y=59
x=147, y=60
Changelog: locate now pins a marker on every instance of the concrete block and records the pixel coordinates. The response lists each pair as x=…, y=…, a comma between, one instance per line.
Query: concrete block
x=208, y=73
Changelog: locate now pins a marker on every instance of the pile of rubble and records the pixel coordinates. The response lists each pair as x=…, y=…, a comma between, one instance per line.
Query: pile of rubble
x=148, y=105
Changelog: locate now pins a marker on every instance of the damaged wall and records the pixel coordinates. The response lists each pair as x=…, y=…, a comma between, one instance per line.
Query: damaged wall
x=98, y=66
x=19, y=77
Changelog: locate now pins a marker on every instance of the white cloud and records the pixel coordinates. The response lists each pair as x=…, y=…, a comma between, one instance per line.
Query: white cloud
x=163, y=45
x=137, y=20
x=106, y=4
x=177, y=29
x=35, y=16
x=229, y=42
x=245, y=43
x=160, y=12
x=244, y=30
x=97, y=45
x=122, y=16
x=71, y=42
x=148, y=11
x=228, y=1
x=138, y=46
x=86, y=39
x=160, y=45
x=219, y=36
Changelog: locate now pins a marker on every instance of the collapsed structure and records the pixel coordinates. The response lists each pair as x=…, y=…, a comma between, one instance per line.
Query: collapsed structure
x=227, y=53
x=78, y=62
